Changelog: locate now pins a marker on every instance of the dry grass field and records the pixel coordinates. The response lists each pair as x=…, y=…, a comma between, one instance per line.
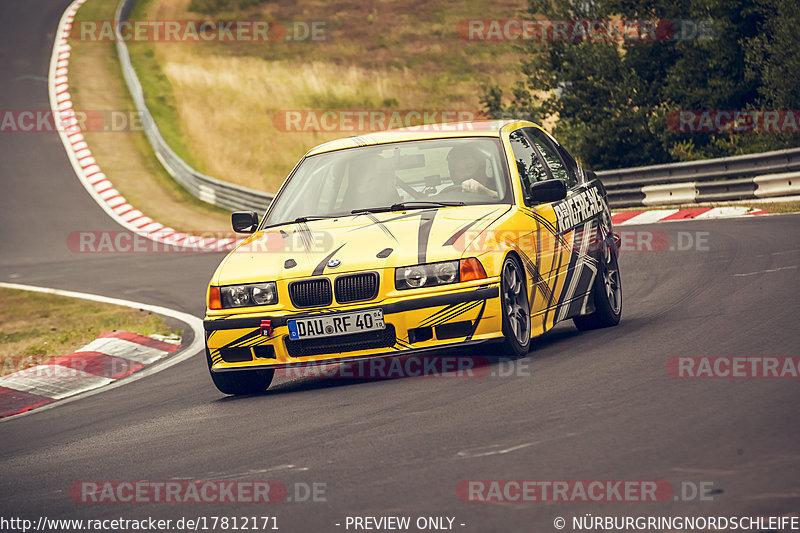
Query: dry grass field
x=219, y=103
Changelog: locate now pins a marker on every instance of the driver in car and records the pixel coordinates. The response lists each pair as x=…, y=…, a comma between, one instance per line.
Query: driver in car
x=468, y=170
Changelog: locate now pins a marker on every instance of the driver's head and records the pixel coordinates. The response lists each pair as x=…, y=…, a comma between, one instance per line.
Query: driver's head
x=464, y=163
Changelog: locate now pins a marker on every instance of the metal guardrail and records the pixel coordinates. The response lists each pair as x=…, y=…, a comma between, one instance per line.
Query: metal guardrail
x=710, y=180
x=727, y=178
x=208, y=189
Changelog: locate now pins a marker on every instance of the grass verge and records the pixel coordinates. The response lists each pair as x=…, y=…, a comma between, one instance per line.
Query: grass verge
x=36, y=327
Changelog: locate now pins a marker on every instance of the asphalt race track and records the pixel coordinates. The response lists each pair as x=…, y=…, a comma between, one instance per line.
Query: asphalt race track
x=585, y=406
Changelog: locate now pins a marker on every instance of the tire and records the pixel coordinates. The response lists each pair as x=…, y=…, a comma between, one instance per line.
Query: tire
x=242, y=381
x=516, y=309
x=607, y=290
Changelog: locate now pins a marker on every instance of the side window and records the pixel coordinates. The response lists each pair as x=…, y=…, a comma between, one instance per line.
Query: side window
x=572, y=166
x=551, y=156
x=529, y=166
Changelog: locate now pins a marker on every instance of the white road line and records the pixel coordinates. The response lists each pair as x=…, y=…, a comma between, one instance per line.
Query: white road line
x=768, y=270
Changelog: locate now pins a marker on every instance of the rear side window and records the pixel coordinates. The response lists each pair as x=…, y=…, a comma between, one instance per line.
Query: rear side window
x=529, y=165
x=552, y=158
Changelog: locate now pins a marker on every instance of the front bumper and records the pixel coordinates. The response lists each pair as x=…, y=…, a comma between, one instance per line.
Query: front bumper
x=449, y=318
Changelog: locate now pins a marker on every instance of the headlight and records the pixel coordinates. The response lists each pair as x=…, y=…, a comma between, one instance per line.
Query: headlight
x=248, y=295
x=427, y=275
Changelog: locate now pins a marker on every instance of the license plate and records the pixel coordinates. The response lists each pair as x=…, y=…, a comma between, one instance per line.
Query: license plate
x=336, y=324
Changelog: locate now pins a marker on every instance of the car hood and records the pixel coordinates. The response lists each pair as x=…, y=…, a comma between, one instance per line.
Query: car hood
x=356, y=242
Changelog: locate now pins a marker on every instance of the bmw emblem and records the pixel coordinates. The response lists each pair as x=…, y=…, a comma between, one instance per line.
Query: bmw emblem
x=333, y=263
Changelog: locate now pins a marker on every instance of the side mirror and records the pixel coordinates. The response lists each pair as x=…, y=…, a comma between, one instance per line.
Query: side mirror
x=547, y=191
x=244, y=221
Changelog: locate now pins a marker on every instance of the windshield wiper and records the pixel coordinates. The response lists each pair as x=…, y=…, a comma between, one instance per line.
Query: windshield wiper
x=298, y=220
x=404, y=205
x=312, y=217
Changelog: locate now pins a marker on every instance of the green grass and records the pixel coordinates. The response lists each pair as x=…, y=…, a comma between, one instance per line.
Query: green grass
x=36, y=327
x=159, y=95
x=778, y=207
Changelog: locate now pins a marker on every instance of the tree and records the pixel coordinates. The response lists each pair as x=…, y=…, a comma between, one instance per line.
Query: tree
x=613, y=98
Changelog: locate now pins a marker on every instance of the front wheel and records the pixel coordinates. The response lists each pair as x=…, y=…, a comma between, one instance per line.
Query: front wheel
x=240, y=382
x=515, y=308
x=607, y=292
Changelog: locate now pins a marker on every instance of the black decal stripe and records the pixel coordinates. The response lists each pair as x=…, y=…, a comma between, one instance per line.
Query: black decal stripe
x=320, y=268
x=437, y=313
x=398, y=217
x=554, y=274
x=548, y=226
x=450, y=299
x=536, y=278
x=435, y=317
x=244, y=338
x=477, y=321
x=575, y=267
x=455, y=313
x=381, y=225
x=444, y=317
x=533, y=274
x=577, y=239
x=463, y=229
x=581, y=273
x=425, y=224
x=304, y=232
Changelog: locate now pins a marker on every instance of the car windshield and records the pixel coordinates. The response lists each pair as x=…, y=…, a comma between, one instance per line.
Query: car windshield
x=403, y=175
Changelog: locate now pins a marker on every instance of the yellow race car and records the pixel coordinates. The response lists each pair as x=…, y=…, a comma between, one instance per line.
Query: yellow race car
x=407, y=241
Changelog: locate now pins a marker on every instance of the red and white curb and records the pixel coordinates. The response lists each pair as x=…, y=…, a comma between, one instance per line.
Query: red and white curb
x=86, y=168
x=113, y=355
x=98, y=366
x=668, y=215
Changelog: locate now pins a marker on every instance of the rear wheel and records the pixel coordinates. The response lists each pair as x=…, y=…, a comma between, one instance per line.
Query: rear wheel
x=240, y=382
x=607, y=291
x=516, y=309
